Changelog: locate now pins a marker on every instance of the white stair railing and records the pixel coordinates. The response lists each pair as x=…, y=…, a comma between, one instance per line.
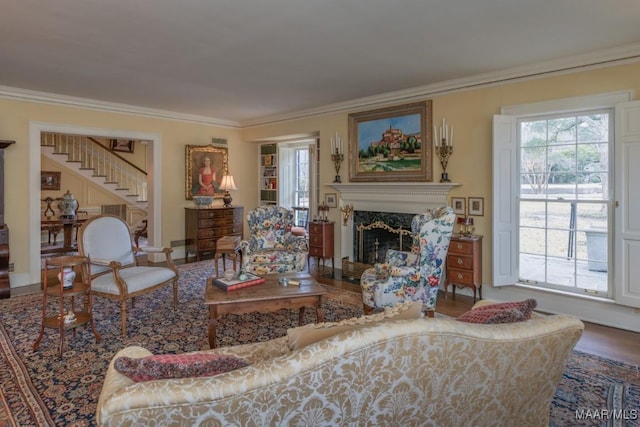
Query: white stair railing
x=104, y=163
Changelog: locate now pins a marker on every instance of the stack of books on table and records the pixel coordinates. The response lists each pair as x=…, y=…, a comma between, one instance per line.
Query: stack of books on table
x=229, y=285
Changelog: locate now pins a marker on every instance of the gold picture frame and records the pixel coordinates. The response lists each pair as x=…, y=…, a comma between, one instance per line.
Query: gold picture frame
x=391, y=144
x=195, y=158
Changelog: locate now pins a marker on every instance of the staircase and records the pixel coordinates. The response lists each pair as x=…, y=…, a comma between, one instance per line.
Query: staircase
x=95, y=162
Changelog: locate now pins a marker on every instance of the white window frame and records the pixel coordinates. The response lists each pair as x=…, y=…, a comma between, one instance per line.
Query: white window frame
x=505, y=173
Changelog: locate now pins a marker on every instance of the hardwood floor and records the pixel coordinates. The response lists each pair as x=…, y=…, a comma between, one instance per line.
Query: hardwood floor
x=612, y=343
x=604, y=341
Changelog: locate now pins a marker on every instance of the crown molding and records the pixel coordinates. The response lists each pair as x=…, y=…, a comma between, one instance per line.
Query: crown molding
x=600, y=59
x=111, y=107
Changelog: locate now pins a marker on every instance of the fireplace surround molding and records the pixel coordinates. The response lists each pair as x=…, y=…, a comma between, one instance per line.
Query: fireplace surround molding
x=395, y=197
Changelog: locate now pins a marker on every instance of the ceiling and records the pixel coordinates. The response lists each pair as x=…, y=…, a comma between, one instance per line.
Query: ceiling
x=243, y=62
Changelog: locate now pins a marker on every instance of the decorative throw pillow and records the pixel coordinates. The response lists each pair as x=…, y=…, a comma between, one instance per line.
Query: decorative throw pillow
x=305, y=335
x=526, y=307
x=492, y=316
x=164, y=366
x=401, y=258
x=503, y=312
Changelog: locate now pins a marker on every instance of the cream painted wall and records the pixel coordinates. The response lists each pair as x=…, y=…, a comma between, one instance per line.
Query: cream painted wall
x=471, y=113
x=15, y=117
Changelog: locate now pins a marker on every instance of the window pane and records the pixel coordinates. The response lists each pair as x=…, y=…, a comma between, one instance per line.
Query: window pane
x=562, y=130
x=594, y=128
x=533, y=133
x=532, y=214
x=532, y=241
x=533, y=159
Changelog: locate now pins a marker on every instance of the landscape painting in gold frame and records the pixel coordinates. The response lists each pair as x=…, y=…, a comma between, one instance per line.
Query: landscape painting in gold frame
x=198, y=183
x=391, y=144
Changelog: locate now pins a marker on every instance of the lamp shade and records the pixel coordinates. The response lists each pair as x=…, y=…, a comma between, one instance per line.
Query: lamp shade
x=227, y=183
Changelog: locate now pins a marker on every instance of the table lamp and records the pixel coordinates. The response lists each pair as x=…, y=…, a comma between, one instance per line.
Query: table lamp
x=226, y=185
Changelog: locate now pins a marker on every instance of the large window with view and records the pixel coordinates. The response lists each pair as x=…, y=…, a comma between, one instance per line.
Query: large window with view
x=564, y=204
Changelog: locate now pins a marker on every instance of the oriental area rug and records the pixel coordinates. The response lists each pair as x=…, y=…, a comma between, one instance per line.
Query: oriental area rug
x=39, y=388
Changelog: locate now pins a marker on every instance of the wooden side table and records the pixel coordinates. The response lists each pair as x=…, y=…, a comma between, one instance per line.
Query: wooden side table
x=321, y=241
x=227, y=245
x=79, y=268
x=464, y=264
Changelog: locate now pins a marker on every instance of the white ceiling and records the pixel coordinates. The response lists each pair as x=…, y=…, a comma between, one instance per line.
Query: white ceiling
x=248, y=61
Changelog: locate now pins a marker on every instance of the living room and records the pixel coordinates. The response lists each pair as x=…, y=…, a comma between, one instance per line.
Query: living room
x=468, y=100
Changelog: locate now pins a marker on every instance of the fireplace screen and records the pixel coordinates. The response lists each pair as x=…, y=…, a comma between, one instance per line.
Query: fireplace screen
x=377, y=232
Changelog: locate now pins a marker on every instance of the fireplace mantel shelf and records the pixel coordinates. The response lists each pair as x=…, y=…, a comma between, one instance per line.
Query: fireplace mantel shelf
x=395, y=187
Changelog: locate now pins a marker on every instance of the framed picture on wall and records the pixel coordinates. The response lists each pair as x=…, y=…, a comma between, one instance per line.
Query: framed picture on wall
x=476, y=206
x=50, y=180
x=331, y=200
x=122, y=145
x=459, y=205
x=204, y=168
x=391, y=144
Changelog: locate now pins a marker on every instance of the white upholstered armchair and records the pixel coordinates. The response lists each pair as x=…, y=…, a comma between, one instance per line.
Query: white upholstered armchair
x=115, y=274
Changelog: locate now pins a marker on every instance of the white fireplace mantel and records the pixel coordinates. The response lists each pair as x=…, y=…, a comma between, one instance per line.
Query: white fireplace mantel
x=397, y=197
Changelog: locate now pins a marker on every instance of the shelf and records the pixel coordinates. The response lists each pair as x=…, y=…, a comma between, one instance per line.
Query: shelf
x=82, y=318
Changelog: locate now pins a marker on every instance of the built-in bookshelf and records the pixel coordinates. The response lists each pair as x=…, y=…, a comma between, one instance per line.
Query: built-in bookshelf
x=268, y=174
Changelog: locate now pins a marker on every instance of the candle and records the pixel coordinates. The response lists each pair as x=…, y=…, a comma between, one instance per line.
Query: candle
x=435, y=136
x=332, y=146
x=451, y=137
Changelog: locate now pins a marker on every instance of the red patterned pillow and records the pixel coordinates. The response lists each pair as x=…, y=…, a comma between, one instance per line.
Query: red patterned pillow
x=492, y=316
x=526, y=307
x=163, y=366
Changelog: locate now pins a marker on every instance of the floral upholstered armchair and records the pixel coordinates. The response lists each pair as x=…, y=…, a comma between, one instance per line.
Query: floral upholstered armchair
x=271, y=247
x=412, y=275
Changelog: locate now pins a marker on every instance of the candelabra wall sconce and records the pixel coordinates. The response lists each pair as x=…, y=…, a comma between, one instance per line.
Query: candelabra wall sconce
x=444, y=147
x=347, y=211
x=337, y=155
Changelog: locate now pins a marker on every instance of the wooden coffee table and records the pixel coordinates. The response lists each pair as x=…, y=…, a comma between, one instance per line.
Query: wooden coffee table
x=265, y=298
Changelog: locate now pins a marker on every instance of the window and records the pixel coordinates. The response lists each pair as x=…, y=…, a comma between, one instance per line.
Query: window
x=564, y=202
x=301, y=178
x=554, y=220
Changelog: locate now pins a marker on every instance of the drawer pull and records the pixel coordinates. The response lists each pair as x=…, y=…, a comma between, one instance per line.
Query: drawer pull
x=460, y=276
x=459, y=245
x=460, y=261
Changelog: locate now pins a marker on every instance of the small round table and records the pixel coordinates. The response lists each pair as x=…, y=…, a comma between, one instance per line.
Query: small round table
x=80, y=285
x=227, y=245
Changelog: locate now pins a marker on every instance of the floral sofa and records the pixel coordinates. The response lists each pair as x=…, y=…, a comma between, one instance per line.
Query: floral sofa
x=385, y=370
x=271, y=247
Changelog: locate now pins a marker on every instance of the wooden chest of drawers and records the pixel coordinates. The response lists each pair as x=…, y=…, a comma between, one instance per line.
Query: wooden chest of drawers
x=203, y=228
x=464, y=264
x=321, y=241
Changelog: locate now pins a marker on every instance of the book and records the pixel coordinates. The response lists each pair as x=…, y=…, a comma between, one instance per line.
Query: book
x=229, y=285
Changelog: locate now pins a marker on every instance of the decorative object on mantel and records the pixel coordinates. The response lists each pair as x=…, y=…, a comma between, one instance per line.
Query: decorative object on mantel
x=347, y=211
x=391, y=144
x=226, y=185
x=337, y=155
x=444, y=147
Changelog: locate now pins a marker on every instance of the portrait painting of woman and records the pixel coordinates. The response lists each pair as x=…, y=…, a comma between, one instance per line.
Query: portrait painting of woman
x=205, y=166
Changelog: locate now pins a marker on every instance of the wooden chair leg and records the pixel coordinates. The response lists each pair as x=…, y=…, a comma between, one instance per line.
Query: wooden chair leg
x=175, y=295
x=123, y=317
x=367, y=309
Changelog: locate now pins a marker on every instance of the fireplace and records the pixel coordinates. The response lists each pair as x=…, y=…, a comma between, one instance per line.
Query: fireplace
x=376, y=232
x=387, y=199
